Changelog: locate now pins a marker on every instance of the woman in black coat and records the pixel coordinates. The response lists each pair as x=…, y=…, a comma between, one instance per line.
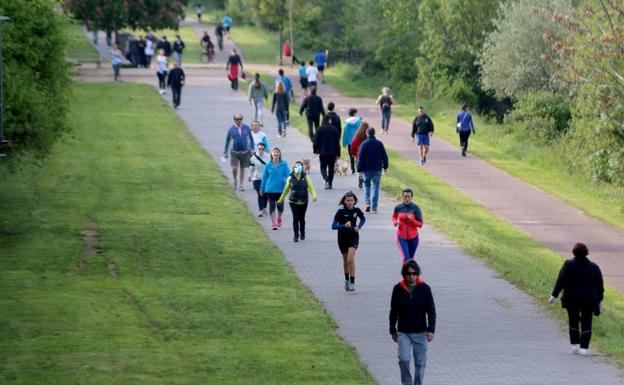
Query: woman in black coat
x=583, y=291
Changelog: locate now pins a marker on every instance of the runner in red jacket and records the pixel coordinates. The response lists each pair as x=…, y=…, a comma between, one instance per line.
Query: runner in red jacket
x=408, y=219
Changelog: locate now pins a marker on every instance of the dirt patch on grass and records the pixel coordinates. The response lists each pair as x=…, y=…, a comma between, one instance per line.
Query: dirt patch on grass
x=90, y=236
x=150, y=322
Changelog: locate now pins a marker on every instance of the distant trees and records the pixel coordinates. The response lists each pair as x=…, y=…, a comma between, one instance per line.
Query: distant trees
x=112, y=15
x=36, y=77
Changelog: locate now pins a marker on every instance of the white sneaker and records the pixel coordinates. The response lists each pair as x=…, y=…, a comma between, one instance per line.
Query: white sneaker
x=161, y=92
x=576, y=348
x=260, y=213
x=583, y=352
x=279, y=135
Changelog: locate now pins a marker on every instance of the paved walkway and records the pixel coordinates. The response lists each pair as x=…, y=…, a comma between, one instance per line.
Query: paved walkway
x=489, y=332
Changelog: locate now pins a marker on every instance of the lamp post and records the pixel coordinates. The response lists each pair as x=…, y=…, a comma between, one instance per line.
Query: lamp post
x=3, y=143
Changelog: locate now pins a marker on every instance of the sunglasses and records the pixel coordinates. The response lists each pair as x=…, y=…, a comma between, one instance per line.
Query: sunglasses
x=411, y=273
x=238, y=119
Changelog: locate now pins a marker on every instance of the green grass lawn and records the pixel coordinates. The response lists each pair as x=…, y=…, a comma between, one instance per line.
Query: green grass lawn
x=78, y=46
x=193, y=302
x=260, y=46
x=519, y=259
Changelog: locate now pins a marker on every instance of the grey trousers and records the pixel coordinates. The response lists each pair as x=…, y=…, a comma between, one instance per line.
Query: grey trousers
x=412, y=344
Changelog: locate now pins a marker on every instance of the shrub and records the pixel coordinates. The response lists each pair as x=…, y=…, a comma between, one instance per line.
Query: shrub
x=36, y=76
x=460, y=91
x=545, y=114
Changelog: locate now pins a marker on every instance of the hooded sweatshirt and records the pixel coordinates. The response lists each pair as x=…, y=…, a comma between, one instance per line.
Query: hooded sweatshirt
x=414, y=311
x=350, y=127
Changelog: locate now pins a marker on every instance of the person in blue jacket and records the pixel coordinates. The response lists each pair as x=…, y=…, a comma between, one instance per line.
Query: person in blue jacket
x=372, y=159
x=274, y=178
x=465, y=127
x=350, y=127
x=321, y=60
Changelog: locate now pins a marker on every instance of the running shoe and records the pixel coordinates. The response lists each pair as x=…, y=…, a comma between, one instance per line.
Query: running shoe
x=352, y=287
x=242, y=188
x=279, y=221
x=302, y=237
x=296, y=239
x=374, y=210
x=274, y=227
x=422, y=162
x=347, y=287
x=576, y=348
x=260, y=213
x=584, y=352
x=360, y=182
x=279, y=135
x=368, y=208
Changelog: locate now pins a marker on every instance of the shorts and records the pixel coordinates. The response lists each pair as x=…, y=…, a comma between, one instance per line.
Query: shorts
x=240, y=157
x=274, y=196
x=320, y=68
x=227, y=28
x=312, y=84
x=344, y=243
x=303, y=82
x=423, y=139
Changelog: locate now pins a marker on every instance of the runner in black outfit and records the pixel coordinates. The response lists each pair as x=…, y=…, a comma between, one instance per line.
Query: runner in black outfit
x=348, y=235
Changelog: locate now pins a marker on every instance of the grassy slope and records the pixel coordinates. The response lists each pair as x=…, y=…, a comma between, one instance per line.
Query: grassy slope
x=519, y=259
x=78, y=46
x=192, y=305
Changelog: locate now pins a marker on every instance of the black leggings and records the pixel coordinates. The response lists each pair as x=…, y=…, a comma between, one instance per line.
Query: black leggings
x=327, y=167
x=273, y=198
x=463, y=140
x=298, y=213
x=584, y=316
x=351, y=159
x=161, y=80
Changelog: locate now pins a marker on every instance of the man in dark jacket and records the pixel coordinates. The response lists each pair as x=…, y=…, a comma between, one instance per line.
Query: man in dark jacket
x=178, y=49
x=164, y=45
x=313, y=105
x=371, y=159
x=176, y=81
x=423, y=128
x=334, y=118
x=583, y=291
x=327, y=145
x=413, y=307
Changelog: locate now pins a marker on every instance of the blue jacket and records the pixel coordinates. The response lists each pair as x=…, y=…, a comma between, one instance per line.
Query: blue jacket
x=372, y=156
x=465, y=120
x=286, y=81
x=320, y=58
x=240, y=142
x=350, y=127
x=274, y=177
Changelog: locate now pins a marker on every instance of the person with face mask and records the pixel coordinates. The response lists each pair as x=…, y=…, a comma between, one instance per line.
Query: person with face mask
x=297, y=188
x=407, y=218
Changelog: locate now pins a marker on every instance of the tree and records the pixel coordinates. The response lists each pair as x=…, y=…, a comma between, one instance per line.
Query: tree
x=36, y=76
x=112, y=15
x=516, y=58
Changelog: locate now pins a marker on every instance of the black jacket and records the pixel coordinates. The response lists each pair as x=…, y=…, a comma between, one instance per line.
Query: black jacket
x=313, y=105
x=327, y=141
x=178, y=46
x=175, y=78
x=279, y=102
x=581, y=282
x=422, y=125
x=415, y=313
x=335, y=121
x=165, y=46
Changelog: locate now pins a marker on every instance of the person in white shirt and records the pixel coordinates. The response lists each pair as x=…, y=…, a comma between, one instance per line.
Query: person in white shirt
x=257, y=162
x=161, y=71
x=149, y=51
x=312, y=73
x=258, y=135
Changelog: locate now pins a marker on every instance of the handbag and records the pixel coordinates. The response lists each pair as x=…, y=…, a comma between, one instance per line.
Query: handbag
x=459, y=124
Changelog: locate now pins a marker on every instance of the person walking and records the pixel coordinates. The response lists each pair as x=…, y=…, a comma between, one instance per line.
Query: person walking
x=385, y=101
x=407, y=218
x=334, y=119
x=321, y=60
x=413, y=308
x=583, y=292
x=465, y=127
x=116, y=58
x=199, y=10
x=257, y=94
x=258, y=135
x=227, y=24
x=312, y=74
x=178, y=50
x=422, y=128
x=280, y=106
x=348, y=235
x=257, y=163
x=161, y=71
x=274, y=177
x=141, y=48
x=233, y=68
x=165, y=46
x=313, y=105
x=358, y=138
x=149, y=51
x=350, y=127
x=242, y=147
x=175, y=80
x=297, y=188
x=327, y=146
x=303, y=78
x=372, y=159
x=289, y=89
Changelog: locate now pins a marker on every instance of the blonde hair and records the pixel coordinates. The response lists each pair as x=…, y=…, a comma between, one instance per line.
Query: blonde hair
x=278, y=150
x=385, y=91
x=279, y=87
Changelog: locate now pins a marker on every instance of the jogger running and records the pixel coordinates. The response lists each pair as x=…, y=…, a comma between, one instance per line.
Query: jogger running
x=348, y=235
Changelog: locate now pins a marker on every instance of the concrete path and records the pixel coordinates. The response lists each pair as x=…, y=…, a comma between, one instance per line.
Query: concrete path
x=488, y=332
